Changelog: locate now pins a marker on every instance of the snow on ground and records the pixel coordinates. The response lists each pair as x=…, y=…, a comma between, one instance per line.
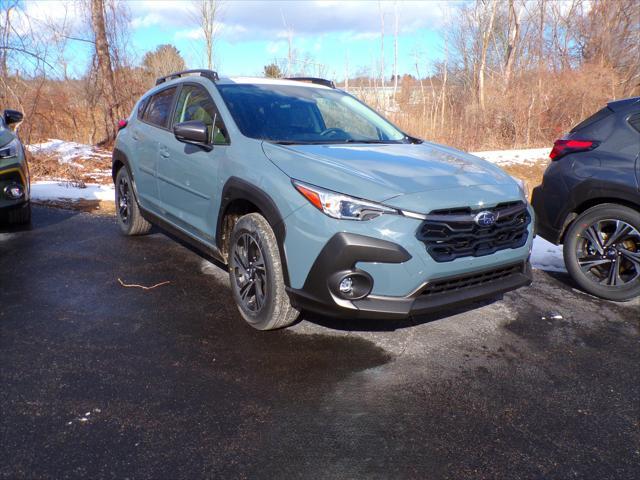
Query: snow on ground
x=61, y=190
x=547, y=256
x=510, y=157
x=68, y=151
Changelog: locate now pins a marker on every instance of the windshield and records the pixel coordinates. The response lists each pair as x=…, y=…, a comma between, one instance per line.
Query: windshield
x=300, y=114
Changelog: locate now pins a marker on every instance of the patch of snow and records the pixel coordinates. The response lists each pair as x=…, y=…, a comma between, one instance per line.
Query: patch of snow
x=68, y=151
x=510, y=157
x=547, y=256
x=5, y=236
x=55, y=190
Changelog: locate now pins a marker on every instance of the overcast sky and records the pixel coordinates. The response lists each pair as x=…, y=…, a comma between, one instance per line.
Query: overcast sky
x=253, y=33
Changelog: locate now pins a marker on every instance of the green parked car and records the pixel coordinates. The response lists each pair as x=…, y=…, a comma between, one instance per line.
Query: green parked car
x=315, y=202
x=15, y=206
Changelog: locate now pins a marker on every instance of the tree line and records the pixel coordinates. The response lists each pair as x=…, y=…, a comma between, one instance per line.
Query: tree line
x=514, y=73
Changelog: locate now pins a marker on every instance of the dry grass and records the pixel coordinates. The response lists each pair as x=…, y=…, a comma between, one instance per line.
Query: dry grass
x=531, y=173
x=78, y=173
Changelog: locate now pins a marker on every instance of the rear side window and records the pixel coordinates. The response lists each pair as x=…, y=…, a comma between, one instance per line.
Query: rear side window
x=634, y=121
x=596, y=117
x=159, y=109
x=143, y=103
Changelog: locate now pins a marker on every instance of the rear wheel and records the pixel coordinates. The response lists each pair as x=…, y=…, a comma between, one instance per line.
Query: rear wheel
x=127, y=211
x=256, y=277
x=602, y=252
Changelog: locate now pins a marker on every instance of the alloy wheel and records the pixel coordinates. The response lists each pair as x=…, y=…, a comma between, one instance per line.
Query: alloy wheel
x=608, y=253
x=249, y=272
x=124, y=199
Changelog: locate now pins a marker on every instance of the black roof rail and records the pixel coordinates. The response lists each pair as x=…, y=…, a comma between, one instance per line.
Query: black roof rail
x=316, y=80
x=210, y=74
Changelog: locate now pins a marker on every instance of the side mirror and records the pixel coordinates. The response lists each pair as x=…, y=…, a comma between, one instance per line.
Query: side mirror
x=194, y=132
x=12, y=117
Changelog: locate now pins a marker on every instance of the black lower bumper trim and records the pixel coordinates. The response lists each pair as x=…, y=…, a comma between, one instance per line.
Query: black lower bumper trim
x=378, y=307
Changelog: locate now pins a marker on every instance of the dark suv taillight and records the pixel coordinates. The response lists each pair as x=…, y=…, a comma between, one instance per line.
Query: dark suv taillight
x=564, y=147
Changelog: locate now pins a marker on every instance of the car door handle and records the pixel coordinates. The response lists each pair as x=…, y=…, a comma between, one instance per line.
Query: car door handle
x=135, y=135
x=164, y=152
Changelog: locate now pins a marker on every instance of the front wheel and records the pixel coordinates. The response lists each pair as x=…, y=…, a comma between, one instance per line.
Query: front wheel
x=602, y=252
x=256, y=276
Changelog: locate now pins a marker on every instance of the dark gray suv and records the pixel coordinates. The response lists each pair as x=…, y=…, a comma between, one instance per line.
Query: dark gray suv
x=589, y=200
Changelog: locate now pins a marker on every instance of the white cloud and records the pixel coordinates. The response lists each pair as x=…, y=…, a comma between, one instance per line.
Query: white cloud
x=146, y=21
x=189, y=34
x=259, y=20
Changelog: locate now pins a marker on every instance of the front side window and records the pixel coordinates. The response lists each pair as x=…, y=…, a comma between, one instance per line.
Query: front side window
x=302, y=114
x=195, y=103
x=159, y=108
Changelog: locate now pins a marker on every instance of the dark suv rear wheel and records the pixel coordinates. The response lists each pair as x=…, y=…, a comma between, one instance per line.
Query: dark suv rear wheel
x=256, y=277
x=602, y=251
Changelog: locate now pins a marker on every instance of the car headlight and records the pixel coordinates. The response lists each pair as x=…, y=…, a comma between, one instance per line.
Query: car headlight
x=9, y=150
x=337, y=205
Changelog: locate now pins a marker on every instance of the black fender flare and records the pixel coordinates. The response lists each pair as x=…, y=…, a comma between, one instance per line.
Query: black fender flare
x=238, y=189
x=117, y=157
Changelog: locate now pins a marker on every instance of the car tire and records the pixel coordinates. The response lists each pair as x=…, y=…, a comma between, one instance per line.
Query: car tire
x=597, y=261
x=256, y=275
x=128, y=214
x=21, y=215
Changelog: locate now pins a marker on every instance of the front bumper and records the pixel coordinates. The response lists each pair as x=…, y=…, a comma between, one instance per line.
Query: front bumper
x=10, y=174
x=344, y=251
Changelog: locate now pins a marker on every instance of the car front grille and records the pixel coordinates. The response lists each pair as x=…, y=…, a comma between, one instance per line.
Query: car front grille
x=451, y=234
x=471, y=280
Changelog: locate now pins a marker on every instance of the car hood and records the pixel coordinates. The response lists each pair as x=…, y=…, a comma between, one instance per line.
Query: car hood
x=382, y=171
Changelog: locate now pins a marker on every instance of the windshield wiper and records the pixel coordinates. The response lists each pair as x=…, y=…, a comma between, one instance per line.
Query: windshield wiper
x=353, y=140
x=289, y=142
x=337, y=142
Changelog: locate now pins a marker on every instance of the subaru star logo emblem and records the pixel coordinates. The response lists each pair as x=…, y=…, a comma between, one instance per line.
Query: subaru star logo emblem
x=485, y=219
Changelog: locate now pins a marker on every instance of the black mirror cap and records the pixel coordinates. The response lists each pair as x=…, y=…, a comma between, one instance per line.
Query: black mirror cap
x=194, y=132
x=12, y=117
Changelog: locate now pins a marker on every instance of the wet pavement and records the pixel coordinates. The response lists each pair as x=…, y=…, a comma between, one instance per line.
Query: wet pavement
x=102, y=381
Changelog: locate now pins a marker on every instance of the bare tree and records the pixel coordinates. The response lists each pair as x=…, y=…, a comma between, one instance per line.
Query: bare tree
x=382, y=74
x=105, y=69
x=487, y=14
x=207, y=15
x=512, y=45
x=290, y=50
x=395, y=50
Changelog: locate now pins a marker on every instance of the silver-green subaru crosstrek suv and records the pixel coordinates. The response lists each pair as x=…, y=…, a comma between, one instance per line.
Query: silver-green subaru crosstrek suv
x=315, y=202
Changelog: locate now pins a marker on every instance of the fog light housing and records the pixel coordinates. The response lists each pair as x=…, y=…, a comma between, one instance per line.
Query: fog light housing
x=14, y=191
x=351, y=284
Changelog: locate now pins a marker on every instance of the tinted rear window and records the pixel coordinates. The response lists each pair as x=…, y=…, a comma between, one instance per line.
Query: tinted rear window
x=596, y=117
x=141, y=107
x=159, y=108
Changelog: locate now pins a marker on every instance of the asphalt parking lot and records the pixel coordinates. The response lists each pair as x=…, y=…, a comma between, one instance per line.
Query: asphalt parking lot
x=104, y=381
